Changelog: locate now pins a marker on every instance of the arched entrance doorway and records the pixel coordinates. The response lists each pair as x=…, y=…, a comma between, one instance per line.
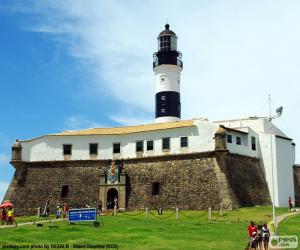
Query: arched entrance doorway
x=112, y=194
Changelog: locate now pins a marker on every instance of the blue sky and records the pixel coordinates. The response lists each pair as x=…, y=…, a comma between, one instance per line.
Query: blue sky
x=76, y=64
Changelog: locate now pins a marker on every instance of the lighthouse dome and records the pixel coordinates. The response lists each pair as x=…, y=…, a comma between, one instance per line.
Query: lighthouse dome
x=167, y=31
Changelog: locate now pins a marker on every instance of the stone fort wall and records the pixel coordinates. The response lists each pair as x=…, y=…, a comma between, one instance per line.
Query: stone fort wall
x=188, y=181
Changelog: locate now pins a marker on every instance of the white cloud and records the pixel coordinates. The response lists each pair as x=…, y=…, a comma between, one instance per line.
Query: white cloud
x=77, y=122
x=234, y=53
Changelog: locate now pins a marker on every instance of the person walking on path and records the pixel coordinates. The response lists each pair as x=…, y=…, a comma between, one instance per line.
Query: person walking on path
x=10, y=217
x=290, y=203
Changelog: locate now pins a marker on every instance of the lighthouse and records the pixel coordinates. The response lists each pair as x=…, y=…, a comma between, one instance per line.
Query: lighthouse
x=167, y=66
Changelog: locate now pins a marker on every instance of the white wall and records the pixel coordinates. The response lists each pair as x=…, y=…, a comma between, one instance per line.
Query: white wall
x=285, y=159
x=49, y=148
x=265, y=155
x=245, y=147
x=171, y=74
x=257, y=124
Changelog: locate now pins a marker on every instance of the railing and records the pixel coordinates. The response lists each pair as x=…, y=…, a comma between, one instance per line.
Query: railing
x=158, y=62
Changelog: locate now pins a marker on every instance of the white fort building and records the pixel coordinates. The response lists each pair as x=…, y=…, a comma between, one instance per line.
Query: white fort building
x=168, y=136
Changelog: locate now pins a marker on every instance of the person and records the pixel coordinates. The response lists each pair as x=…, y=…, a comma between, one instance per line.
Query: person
x=259, y=236
x=65, y=210
x=10, y=216
x=100, y=207
x=3, y=216
x=252, y=233
x=265, y=236
x=290, y=204
x=116, y=202
x=58, y=211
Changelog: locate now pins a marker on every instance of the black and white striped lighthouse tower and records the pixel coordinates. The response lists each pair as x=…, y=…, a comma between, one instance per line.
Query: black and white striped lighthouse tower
x=167, y=67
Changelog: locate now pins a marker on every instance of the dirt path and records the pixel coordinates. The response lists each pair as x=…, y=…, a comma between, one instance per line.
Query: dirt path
x=30, y=223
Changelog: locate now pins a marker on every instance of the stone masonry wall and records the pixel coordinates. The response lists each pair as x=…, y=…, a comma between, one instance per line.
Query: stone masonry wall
x=187, y=181
x=246, y=179
x=37, y=182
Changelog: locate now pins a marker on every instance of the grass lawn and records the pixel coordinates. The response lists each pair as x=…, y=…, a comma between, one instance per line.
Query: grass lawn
x=136, y=232
x=290, y=226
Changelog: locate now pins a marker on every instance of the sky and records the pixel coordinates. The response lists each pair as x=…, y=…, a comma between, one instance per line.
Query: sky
x=77, y=64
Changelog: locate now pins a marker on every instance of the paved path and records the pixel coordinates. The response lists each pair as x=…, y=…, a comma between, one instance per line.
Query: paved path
x=283, y=216
x=30, y=223
x=279, y=219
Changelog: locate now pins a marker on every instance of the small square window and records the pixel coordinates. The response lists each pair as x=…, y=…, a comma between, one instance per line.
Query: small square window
x=149, y=145
x=166, y=143
x=229, y=138
x=93, y=148
x=253, y=143
x=163, y=97
x=67, y=149
x=163, y=111
x=116, y=148
x=162, y=79
x=64, y=191
x=238, y=140
x=155, y=188
x=139, y=146
x=184, y=142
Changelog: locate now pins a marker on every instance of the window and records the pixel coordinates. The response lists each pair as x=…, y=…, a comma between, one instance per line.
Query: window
x=93, y=148
x=163, y=111
x=162, y=79
x=116, y=148
x=139, y=146
x=67, y=149
x=64, y=191
x=163, y=98
x=165, y=43
x=253, y=143
x=229, y=138
x=155, y=188
x=238, y=140
x=166, y=143
x=184, y=142
x=149, y=145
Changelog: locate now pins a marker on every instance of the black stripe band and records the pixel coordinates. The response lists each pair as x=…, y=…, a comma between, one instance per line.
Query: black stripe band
x=167, y=104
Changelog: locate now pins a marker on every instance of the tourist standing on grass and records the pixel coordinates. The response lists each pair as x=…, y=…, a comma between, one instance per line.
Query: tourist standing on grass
x=100, y=207
x=3, y=216
x=266, y=236
x=290, y=204
x=66, y=209
x=260, y=237
x=58, y=210
x=252, y=233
